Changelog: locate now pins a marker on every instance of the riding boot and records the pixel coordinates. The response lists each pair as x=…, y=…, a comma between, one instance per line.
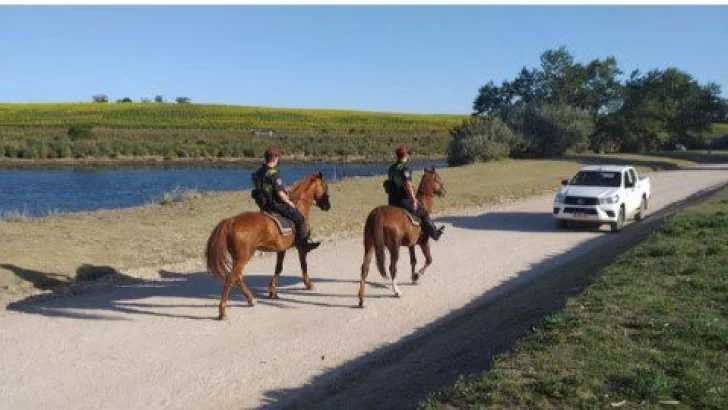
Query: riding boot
x=430, y=229
x=303, y=239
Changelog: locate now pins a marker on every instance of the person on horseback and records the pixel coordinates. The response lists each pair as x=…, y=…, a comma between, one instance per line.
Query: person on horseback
x=402, y=194
x=271, y=196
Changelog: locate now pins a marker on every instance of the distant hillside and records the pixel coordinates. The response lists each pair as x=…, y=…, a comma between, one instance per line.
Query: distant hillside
x=152, y=115
x=115, y=130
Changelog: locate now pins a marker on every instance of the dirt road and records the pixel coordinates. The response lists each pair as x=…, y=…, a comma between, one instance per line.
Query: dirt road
x=157, y=345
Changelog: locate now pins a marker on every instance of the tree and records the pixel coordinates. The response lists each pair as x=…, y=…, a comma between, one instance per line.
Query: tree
x=124, y=100
x=660, y=109
x=100, y=98
x=559, y=80
x=491, y=100
x=603, y=89
x=159, y=99
x=183, y=100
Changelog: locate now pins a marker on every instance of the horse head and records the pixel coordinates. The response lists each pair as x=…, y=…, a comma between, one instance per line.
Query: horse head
x=321, y=194
x=431, y=182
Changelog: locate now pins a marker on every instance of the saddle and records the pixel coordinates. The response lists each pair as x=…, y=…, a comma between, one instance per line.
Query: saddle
x=414, y=219
x=285, y=225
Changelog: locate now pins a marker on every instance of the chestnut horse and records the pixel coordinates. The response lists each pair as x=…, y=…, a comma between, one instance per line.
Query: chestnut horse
x=388, y=226
x=234, y=240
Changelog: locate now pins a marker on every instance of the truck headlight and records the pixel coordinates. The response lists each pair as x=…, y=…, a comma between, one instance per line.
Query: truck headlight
x=610, y=200
x=559, y=198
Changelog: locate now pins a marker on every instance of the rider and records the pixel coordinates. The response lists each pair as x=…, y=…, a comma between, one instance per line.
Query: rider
x=272, y=197
x=402, y=193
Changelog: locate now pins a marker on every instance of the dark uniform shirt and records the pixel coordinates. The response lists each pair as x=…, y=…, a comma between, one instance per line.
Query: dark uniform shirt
x=268, y=180
x=399, y=173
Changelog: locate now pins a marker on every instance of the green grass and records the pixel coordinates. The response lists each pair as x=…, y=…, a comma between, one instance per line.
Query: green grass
x=719, y=129
x=50, y=131
x=198, y=116
x=180, y=195
x=651, y=331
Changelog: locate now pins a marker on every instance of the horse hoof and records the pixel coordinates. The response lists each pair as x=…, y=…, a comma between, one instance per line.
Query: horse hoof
x=415, y=279
x=397, y=295
x=222, y=317
x=310, y=287
x=251, y=303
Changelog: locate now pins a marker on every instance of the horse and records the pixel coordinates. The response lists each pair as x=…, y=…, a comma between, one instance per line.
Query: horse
x=234, y=241
x=388, y=226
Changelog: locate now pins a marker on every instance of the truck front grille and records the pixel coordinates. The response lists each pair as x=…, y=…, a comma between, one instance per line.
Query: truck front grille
x=586, y=211
x=579, y=200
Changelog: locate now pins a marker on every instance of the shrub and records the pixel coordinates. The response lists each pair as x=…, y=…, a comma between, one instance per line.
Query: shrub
x=79, y=132
x=550, y=129
x=481, y=139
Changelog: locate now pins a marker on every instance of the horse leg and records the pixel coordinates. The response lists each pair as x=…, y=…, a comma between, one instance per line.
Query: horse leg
x=304, y=269
x=236, y=276
x=368, y=253
x=413, y=263
x=428, y=256
x=394, y=256
x=272, y=293
x=243, y=288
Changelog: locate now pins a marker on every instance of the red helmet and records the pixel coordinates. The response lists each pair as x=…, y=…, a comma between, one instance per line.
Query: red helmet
x=401, y=151
x=270, y=153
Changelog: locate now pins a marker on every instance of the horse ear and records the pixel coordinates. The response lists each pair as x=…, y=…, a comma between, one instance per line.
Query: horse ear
x=320, y=175
x=429, y=170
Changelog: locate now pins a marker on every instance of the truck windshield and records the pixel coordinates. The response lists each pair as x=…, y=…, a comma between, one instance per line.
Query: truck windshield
x=594, y=178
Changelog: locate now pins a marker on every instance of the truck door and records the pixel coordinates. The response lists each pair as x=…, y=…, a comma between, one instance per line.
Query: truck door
x=632, y=199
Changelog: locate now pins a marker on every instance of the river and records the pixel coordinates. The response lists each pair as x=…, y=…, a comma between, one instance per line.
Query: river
x=43, y=192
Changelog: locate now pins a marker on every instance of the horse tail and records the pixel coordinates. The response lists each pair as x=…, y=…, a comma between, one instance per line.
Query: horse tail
x=377, y=231
x=217, y=254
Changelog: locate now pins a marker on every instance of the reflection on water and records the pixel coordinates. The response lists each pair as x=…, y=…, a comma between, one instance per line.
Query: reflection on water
x=39, y=192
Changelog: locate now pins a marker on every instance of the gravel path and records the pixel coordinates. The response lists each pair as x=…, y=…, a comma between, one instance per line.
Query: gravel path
x=157, y=346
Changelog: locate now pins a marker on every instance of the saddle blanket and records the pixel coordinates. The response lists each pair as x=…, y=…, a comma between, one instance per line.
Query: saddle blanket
x=412, y=218
x=285, y=225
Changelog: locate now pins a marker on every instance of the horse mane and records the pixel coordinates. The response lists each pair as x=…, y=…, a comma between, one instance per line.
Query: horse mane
x=297, y=187
x=425, y=187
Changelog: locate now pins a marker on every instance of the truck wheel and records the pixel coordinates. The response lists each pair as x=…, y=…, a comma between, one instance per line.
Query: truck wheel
x=641, y=212
x=561, y=224
x=617, y=226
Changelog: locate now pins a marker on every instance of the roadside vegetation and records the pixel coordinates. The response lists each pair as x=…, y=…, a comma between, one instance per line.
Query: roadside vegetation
x=650, y=332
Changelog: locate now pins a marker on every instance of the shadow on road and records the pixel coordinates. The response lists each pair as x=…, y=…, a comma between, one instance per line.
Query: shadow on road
x=130, y=296
x=530, y=222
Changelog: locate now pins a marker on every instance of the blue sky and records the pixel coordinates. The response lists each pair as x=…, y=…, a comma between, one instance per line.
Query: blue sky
x=427, y=59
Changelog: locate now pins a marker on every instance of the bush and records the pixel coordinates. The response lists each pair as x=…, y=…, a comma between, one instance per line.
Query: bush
x=481, y=139
x=719, y=143
x=79, y=132
x=550, y=129
x=11, y=151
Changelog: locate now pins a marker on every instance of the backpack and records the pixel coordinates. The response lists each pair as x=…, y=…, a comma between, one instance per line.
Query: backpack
x=258, y=194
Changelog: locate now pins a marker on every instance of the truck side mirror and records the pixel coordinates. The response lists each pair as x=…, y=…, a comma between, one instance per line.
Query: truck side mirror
x=564, y=182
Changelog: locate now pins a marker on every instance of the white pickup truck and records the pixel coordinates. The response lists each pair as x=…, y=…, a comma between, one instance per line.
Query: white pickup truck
x=602, y=195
